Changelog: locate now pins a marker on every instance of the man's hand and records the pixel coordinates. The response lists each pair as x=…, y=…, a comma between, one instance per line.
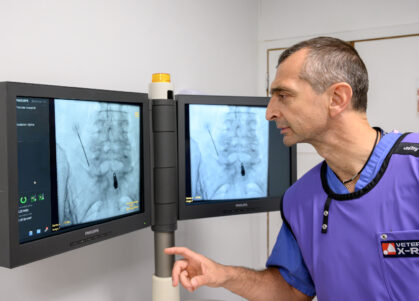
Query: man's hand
x=195, y=270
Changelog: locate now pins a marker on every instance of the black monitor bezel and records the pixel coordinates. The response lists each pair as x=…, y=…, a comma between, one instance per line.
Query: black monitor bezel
x=224, y=208
x=12, y=252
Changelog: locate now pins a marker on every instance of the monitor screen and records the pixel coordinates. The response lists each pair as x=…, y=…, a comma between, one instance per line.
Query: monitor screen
x=95, y=175
x=228, y=152
x=231, y=159
x=78, y=168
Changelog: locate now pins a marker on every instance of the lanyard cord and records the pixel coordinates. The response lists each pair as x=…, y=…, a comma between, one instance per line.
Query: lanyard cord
x=369, y=157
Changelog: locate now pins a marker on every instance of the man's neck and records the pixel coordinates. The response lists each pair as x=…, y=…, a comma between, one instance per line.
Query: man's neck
x=347, y=145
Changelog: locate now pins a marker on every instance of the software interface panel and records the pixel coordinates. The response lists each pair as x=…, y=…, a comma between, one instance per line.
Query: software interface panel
x=79, y=163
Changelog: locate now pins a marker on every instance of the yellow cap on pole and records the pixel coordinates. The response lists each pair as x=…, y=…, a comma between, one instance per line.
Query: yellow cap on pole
x=160, y=78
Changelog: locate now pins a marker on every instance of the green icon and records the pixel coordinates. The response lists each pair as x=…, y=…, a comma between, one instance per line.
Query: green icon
x=23, y=199
x=41, y=197
x=33, y=198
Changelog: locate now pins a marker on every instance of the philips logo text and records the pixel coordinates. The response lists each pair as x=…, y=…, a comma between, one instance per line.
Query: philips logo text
x=90, y=232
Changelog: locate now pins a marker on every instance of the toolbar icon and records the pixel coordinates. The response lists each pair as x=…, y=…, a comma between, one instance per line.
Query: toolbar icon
x=33, y=198
x=23, y=199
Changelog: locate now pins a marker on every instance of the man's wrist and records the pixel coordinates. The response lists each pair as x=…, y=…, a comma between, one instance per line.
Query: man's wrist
x=226, y=275
x=234, y=278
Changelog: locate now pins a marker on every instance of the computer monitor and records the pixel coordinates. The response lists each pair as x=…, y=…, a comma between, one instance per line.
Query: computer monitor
x=75, y=168
x=231, y=159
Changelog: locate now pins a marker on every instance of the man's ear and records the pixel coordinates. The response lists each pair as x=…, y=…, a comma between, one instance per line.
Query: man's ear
x=340, y=98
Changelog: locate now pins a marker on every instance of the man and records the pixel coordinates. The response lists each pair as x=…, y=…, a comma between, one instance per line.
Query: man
x=351, y=230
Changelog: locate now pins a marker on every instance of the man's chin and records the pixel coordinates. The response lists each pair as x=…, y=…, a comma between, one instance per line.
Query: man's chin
x=288, y=141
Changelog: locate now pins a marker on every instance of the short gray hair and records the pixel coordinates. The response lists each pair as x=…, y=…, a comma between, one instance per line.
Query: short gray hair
x=329, y=61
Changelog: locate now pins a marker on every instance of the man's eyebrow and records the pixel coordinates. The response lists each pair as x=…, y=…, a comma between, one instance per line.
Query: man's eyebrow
x=280, y=89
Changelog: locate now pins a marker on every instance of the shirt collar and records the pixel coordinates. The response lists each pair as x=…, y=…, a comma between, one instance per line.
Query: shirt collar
x=371, y=169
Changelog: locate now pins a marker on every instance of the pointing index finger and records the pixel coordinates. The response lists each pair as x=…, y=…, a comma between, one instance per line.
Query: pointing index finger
x=185, y=252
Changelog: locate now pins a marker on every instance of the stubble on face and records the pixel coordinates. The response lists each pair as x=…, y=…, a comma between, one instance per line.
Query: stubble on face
x=301, y=113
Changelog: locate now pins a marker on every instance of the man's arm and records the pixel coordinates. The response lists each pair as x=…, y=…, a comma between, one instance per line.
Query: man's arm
x=196, y=270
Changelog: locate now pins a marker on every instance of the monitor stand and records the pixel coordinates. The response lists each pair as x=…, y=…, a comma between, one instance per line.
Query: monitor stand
x=163, y=289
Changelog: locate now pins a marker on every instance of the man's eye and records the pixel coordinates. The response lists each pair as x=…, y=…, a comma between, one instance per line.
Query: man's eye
x=280, y=95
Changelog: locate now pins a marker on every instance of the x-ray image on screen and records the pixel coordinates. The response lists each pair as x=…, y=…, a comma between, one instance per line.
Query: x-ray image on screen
x=98, y=160
x=228, y=152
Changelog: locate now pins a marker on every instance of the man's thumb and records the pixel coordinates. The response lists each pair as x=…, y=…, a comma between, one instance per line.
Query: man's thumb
x=198, y=281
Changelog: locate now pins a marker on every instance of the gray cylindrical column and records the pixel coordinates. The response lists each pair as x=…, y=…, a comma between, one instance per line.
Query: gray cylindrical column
x=163, y=263
x=165, y=195
x=165, y=165
x=165, y=183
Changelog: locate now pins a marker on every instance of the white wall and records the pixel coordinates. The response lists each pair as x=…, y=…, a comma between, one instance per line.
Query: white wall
x=292, y=19
x=394, y=80
x=209, y=46
x=205, y=45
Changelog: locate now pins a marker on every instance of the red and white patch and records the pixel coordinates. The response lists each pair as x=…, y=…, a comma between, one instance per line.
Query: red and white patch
x=388, y=248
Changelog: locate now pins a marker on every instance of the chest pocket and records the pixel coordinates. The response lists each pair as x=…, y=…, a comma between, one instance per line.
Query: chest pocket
x=399, y=259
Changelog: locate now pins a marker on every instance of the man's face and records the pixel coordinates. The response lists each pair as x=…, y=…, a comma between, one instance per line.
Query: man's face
x=299, y=112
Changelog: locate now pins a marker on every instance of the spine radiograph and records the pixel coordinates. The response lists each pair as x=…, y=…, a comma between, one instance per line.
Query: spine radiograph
x=109, y=144
x=239, y=152
x=103, y=179
x=233, y=171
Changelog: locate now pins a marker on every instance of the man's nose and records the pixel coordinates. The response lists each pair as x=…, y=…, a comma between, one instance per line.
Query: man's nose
x=271, y=112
